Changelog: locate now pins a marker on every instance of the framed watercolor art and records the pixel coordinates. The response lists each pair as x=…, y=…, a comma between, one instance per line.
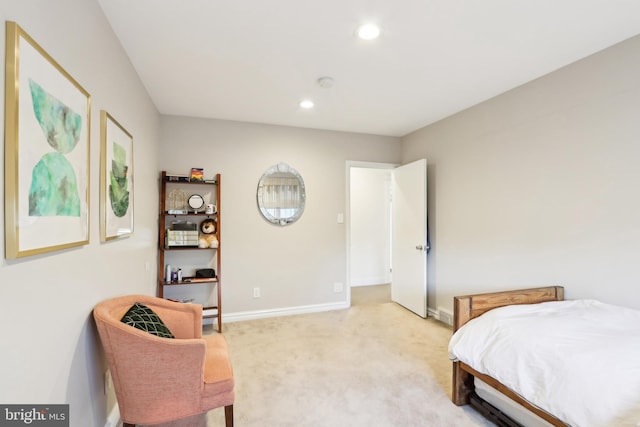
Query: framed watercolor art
x=47, y=128
x=116, y=179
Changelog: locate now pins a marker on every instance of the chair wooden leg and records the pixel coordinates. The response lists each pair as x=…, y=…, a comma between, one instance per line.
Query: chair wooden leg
x=228, y=416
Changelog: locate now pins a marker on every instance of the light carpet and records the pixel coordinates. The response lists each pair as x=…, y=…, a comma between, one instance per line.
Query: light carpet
x=375, y=364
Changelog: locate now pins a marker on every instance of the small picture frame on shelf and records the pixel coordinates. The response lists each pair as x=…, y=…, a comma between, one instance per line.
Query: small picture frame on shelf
x=176, y=200
x=197, y=175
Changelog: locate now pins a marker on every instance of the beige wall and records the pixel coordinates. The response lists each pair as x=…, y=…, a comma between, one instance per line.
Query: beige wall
x=295, y=266
x=49, y=351
x=539, y=186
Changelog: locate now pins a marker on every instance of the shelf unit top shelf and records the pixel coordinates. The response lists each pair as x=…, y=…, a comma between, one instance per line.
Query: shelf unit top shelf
x=190, y=213
x=185, y=180
x=185, y=248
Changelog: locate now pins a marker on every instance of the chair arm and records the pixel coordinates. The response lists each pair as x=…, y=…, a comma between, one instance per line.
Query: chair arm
x=152, y=374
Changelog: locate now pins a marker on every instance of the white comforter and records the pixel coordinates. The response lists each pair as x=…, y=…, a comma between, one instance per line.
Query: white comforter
x=578, y=360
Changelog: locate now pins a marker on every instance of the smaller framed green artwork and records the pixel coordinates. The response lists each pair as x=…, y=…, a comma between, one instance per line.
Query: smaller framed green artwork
x=47, y=130
x=116, y=179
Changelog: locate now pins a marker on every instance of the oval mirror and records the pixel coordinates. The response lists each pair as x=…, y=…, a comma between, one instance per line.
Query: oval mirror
x=281, y=194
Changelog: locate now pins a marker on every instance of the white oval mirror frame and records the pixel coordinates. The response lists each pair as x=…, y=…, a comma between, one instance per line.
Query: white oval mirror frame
x=281, y=195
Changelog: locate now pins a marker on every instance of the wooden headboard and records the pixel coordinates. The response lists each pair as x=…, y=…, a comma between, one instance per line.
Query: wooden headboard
x=467, y=307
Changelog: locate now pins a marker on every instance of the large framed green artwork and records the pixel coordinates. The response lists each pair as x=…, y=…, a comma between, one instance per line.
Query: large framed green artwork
x=116, y=179
x=47, y=129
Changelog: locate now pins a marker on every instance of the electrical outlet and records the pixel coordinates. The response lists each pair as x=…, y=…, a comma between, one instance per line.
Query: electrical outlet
x=338, y=287
x=256, y=292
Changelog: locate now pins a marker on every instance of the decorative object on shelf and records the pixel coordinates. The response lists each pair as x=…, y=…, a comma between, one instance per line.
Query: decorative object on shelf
x=184, y=225
x=177, y=201
x=46, y=151
x=197, y=175
x=281, y=195
x=209, y=273
x=181, y=238
x=211, y=209
x=196, y=202
x=194, y=280
x=116, y=179
x=208, y=237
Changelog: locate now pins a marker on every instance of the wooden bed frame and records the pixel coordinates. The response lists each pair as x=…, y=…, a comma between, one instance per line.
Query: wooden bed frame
x=466, y=308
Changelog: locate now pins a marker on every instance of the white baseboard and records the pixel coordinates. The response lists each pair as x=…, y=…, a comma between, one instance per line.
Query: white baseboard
x=113, y=420
x=288, y=311
x=441, y=314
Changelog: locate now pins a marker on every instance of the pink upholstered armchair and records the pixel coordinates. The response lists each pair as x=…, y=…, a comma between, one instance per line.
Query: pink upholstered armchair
x=156, y=379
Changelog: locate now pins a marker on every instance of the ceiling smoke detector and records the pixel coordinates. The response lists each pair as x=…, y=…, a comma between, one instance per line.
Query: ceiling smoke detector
x=326, y=82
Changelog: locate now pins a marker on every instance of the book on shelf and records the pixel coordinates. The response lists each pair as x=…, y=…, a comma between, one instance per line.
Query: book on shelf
x=177, y=178
x=197, y=174
x=209, y=311
x=198, y=279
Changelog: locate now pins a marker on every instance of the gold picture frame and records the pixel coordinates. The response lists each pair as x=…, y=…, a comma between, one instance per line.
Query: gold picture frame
x=47, y=131
x=116, y=179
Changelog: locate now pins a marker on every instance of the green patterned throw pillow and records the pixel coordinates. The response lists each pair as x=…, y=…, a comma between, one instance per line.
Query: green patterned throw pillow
x=142, y=317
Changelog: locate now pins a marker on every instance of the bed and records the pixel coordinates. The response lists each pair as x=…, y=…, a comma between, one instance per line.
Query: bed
x=588, y=376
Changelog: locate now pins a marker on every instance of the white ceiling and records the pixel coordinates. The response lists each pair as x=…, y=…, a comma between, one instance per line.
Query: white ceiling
x=254, y=60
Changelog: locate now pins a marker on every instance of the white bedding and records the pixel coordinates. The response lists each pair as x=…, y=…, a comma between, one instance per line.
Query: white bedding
x=578, y=360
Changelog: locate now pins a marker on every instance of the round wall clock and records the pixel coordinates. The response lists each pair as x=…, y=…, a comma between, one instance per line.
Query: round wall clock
x=196, y=202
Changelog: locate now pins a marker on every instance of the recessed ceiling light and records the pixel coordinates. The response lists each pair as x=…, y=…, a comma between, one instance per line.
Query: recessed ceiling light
x=368, y=31
x=306, y=104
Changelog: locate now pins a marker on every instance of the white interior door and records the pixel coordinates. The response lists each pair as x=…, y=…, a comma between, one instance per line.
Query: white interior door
x=409, y=237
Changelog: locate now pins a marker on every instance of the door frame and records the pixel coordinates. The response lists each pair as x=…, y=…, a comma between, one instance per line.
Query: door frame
x=355, y=164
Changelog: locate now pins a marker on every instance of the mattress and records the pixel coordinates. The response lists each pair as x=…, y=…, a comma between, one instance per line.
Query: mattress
x=577, y=360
